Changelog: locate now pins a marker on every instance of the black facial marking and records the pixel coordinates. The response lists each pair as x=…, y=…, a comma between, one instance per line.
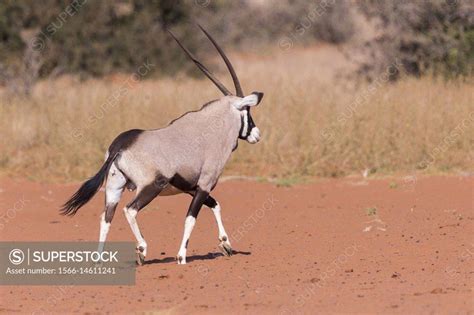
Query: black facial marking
x=242, y=122
x=250, y=122
x=250, y=125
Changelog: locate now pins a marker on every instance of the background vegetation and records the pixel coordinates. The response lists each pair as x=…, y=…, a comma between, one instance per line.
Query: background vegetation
x=363, y=86
x=93, y=38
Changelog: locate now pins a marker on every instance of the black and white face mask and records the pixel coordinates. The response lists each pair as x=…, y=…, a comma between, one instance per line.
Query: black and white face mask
x=248, y=130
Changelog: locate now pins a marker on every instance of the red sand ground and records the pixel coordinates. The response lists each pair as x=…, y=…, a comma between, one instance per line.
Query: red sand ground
x=301, y=250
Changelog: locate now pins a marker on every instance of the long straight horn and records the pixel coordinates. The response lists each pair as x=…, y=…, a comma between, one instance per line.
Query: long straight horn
x=219, y=85
x=238, y=88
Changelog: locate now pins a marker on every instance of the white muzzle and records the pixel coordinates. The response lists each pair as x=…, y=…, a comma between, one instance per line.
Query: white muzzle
x=254, y=136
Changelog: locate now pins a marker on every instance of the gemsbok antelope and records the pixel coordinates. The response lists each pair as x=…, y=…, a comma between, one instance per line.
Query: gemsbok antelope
x=187, y=156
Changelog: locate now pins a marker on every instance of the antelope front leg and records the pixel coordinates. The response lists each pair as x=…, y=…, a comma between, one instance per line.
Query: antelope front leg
x=224, y=244
x=198, y=200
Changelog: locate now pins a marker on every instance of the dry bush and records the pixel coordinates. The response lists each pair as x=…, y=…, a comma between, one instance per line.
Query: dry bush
x=20, y=78
x=428, y=37
x=311, y=125
x=246, y=24
x=97, y=38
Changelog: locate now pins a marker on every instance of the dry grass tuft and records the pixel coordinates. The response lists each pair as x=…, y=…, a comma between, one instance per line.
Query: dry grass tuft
x=312, y=124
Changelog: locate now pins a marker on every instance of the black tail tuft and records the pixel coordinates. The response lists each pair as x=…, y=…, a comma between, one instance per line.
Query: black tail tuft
x=88, y=190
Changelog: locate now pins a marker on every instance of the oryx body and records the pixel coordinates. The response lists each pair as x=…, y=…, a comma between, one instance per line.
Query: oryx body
x=187, y=156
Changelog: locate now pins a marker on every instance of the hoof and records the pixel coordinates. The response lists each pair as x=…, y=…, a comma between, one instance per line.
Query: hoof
x=225, y=248
x=140, y=256
x=181, y=260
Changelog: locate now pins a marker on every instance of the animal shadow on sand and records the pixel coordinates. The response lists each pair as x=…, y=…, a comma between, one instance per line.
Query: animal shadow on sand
x=208, y=256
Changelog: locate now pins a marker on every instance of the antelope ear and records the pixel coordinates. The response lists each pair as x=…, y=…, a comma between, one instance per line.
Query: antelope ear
x=251, y=100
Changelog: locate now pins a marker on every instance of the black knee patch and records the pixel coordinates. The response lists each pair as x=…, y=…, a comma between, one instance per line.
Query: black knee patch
x=210, y=202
